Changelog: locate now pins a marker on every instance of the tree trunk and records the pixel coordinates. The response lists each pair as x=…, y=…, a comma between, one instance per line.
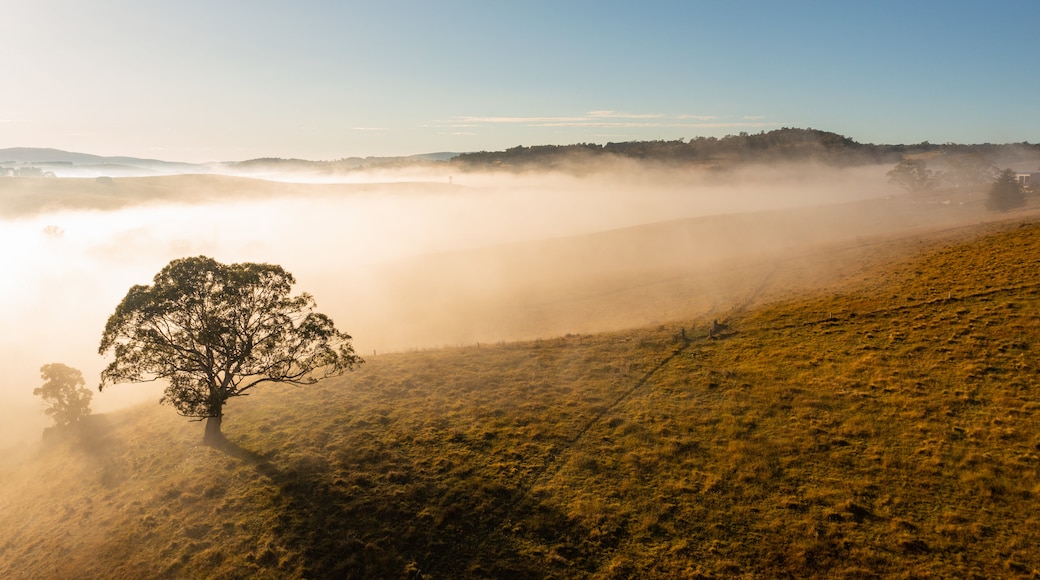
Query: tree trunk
x=213, y=435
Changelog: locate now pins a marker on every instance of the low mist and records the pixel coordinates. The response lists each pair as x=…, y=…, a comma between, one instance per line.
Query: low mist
x=399, y=263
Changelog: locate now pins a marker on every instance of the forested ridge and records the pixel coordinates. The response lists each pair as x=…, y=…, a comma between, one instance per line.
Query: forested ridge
x=786, y=144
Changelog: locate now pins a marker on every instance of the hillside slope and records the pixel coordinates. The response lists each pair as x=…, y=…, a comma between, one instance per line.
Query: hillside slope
x=641, y=275
x=885, y=428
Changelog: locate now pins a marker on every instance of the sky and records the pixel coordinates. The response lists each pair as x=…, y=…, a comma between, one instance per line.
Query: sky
x=225, y=80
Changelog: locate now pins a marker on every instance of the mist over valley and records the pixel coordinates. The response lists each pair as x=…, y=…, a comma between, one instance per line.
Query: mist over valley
x=576, y=367
x=414, y=258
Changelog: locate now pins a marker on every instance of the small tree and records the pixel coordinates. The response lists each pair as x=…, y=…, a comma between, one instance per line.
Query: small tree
x=1006, y=192
x=215, y=331
x=913, y=174
x=64, y=393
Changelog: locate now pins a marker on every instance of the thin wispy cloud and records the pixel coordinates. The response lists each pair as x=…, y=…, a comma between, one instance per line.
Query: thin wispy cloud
x=617, y=115
x=369, y=129
x=605, y=124
x=520, y=120
x=739, y=125
x=606, y=119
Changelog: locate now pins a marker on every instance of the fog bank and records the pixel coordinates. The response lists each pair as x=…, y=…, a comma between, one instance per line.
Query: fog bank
x=387, y=260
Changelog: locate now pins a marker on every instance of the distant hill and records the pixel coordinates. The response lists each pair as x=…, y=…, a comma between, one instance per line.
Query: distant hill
x=278, y=165
x=71, y=164
x=39, y=155
x=781, y=145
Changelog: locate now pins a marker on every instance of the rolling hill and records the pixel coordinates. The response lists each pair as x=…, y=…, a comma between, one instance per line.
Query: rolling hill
x=636, y=276
x=881, y=425
x=72, y=164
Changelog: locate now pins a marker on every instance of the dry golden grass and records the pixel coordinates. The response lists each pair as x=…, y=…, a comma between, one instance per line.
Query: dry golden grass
x=885, y=428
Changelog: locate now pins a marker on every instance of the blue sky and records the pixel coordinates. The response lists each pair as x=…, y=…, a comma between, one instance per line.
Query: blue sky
x=232, y=79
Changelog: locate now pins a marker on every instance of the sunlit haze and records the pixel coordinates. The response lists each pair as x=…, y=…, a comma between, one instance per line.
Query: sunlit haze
x=431, y=255
x=350, y=244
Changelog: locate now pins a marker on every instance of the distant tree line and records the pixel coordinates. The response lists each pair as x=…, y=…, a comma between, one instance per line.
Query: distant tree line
x=24, y=171
x=946, y=170
x=954, y=164
x=919, y=166
x=344, y=165
x=786, y=144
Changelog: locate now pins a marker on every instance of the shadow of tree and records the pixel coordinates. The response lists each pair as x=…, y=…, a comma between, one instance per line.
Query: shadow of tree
x=92, y=437
x=89, y=434
x=350, y=527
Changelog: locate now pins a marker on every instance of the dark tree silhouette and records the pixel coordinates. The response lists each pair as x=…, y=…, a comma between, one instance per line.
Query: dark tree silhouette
x=1006, y=192
x=215, y=331
x=64, y=393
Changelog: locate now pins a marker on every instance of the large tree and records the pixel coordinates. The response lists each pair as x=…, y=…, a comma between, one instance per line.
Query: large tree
x=216, y=331
x=65, y=394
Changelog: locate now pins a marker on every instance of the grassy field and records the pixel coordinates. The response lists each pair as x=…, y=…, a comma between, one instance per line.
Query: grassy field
x=885, y=426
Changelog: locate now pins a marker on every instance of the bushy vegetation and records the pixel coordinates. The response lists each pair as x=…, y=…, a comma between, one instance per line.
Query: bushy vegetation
x=886, y=428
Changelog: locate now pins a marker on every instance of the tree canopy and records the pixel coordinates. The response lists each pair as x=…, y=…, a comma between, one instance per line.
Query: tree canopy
x=913, y=174
x=64, y=393
x=216, y=331
x=1006, y=192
